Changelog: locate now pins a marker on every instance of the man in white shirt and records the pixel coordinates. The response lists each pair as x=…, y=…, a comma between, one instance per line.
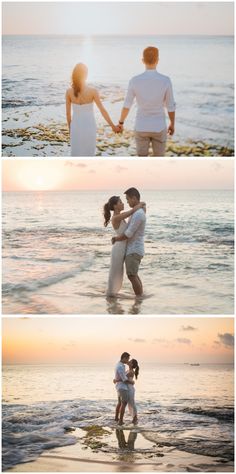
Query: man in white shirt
x=153, y=93
x=135, y=245
x=121, y=387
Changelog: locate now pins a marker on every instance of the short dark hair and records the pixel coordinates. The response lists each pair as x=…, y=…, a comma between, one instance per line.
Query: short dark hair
x=133, y=192
x=125, y=354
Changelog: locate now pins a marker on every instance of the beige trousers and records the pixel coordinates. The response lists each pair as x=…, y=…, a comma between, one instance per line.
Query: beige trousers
x=157, y=139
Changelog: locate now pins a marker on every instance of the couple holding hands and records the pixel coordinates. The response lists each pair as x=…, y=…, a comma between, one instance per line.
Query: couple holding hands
x=153, y=94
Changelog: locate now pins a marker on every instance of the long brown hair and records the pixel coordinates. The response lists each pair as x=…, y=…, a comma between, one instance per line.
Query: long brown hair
x=135, y=367
x=79, y=75
x=108, y=207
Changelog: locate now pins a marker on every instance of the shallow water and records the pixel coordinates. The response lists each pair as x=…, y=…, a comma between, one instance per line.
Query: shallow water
x=188, y=408
x=56, y=254
x=201, y=69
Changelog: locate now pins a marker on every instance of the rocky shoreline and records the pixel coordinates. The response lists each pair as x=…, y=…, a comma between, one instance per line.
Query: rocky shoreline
x=53, y=140
x=105, y=449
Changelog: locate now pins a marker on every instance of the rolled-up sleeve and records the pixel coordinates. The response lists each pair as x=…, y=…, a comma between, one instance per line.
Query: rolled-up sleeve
x=129, y=96
x=169, y=98
x=133, y=226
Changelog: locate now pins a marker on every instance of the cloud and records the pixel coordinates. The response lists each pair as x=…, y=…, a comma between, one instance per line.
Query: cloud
x=217, y=166
x=76, y=165
x=216, y=344
x=226, y=339
x=92, y=171
x=188, y=328
x=159, y=341
x=69, y=344
x=183, y=340
x=137, y=340
x=119, y=169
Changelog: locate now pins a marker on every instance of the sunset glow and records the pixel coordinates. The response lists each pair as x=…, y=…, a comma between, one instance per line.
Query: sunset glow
x=63, y=175
x=74, y=340
x=34, y=176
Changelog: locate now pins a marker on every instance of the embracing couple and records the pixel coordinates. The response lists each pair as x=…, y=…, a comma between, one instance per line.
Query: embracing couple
x=124, y=381
x=153, y=94
x=128, y=244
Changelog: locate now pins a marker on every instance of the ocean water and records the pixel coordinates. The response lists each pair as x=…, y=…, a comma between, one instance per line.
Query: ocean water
x=56, y=254
x=37, y=70
x=185, y=407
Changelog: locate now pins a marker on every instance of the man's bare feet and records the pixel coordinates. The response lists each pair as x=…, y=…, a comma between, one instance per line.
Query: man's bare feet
x=120, y=423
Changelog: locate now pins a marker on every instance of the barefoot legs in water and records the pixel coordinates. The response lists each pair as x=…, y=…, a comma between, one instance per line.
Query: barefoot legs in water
x=122, y=412
x=136, y=284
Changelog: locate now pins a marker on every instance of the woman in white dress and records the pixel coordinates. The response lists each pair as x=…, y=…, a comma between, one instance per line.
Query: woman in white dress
x=131, y=374
x=82, y=126
x=119, y=224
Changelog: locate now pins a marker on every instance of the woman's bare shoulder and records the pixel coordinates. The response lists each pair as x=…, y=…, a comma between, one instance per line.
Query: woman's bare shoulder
x=92, y=90
x=69, y=91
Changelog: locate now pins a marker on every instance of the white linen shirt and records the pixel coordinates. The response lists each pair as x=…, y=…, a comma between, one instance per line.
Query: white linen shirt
x=120, y=374
x=153, y=93
x=135, y=233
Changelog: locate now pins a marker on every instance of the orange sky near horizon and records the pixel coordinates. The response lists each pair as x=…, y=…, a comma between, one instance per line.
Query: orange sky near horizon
x=66, y=175
x=95, y=340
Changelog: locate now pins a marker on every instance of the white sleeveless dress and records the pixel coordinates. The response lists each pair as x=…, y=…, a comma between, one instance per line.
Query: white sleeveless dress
x=131, y=402
x=116, y=272
x=83, y=130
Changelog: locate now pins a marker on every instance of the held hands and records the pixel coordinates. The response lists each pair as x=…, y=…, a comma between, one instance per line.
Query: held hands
x=171, y=129
x=113, y=240
x=117, y=128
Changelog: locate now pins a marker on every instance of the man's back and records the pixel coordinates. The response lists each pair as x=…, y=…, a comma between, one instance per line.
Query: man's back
x=153, y=92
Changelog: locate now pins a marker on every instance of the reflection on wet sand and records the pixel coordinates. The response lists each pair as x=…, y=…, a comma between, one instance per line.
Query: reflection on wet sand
x=122, y=443
x=114, y=305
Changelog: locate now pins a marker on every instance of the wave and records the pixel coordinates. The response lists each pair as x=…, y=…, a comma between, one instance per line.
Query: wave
x=12, y=288
x=35, y=259
x=52, y=230
x=13, y=103
x=221, y=414
x=27, y=430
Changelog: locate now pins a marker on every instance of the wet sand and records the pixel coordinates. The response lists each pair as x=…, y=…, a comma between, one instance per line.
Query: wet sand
x=53, y=140
x=107, y=449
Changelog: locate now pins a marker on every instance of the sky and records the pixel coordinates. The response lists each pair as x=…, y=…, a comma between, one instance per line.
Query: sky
x=95, y=339
x=39, y=175
x=142, y=18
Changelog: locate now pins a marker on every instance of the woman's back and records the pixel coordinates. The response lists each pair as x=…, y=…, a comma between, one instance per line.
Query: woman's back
x=83, y=125
x=85, y=96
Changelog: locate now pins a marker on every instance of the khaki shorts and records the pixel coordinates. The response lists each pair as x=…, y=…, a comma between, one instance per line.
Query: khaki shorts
x=132, y=262
x=157, y=139
x=123, y=396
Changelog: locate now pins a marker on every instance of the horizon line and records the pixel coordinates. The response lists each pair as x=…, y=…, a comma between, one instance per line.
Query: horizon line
x=120, y=34
x=108, y=189
x=109, y=363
